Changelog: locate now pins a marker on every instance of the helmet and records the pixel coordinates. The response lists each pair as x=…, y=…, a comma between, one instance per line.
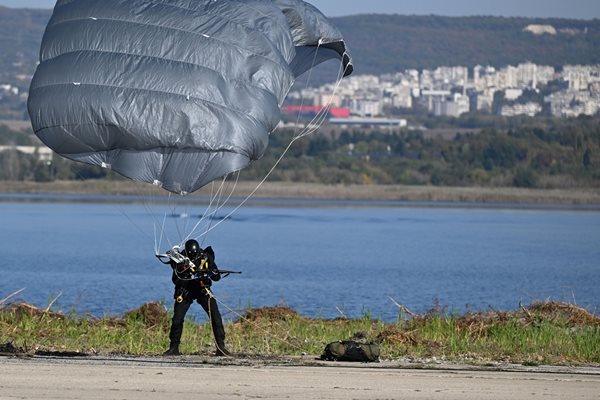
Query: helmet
x=192, y=248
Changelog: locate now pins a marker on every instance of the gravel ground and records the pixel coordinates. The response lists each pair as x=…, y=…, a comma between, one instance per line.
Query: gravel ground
x=291, y=378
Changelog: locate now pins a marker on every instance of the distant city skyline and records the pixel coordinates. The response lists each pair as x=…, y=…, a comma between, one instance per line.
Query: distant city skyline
x=580, y=9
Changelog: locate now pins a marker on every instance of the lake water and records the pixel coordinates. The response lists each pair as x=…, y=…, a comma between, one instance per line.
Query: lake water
x=321, y=261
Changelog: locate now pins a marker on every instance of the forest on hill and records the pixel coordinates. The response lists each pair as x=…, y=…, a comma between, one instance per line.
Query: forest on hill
x=21, y=32
x=545, y=153
x=388, y=43
x=384, y=43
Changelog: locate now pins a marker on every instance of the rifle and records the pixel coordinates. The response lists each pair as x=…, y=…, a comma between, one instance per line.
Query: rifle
x=225, y=273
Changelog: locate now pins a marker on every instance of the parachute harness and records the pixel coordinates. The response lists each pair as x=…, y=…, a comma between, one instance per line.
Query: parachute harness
x=197, y=272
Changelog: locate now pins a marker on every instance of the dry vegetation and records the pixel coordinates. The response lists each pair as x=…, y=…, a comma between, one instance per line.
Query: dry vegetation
x=542, y=333
x=290, y=190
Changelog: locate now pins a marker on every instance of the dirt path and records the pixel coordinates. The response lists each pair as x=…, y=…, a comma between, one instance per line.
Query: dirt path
x=164, y=379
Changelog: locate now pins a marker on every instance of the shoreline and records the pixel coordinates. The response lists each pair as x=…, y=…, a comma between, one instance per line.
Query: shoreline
x=318, y=194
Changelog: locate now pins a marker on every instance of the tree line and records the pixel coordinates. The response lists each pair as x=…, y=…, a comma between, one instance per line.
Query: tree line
x=532, y=153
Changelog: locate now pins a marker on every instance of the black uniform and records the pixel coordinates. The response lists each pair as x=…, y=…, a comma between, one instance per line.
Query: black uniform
x=192, y=285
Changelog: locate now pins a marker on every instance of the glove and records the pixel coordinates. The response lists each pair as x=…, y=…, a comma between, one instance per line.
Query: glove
x=215, y=275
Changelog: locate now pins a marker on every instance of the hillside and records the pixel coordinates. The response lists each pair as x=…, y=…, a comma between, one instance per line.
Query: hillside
x=388, y=43
x=384, y=43
x=21, y=32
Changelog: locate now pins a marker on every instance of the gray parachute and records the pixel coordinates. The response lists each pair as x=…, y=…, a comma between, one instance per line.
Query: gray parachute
x=173, y=92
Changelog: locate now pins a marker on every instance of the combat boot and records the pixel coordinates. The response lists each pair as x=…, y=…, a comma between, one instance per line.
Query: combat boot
x=222, y=352
x=173, y=351
x=221, y=349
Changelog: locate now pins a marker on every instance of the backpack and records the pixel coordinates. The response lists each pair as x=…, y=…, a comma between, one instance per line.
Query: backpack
x=349, y=350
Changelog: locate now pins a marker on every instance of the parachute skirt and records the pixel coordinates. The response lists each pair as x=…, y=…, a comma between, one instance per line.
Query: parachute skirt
x=173, y=92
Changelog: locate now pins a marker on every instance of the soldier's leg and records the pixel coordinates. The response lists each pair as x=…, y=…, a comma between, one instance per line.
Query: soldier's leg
x=179, y=312
x=212, y=309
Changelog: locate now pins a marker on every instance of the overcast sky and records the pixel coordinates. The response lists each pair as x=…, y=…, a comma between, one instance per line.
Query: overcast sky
x=583, y=9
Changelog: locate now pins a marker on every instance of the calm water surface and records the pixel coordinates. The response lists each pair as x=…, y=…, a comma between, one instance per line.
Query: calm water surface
x=318, y=260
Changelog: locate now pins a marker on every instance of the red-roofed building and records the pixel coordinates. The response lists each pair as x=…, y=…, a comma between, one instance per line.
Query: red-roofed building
x=311, y=111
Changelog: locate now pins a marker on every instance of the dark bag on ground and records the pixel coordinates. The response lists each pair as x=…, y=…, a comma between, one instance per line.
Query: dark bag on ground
x=349, y=350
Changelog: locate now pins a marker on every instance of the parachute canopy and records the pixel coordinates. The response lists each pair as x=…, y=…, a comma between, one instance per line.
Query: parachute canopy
x=173, y=92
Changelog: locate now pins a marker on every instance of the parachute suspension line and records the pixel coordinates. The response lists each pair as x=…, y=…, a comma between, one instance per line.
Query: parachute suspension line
x=185, y=215
x=257, y=326
x=213, y=196
x=122, y=211
x=318, y=120
x=159, y=236
x=251, y=193
x=312, y=127
x=285, y=151
x=181, y=231
x=162, y=230
x=174, y=212
x=119, y=206
x=218, y=196
x=219, y=207
x=309, y=129
x=307, y=82
x=206, y=214
x=209, y=213
x=203, y=216
x=210, y=297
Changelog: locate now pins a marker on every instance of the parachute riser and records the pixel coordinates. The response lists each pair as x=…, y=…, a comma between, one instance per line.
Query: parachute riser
x=174, y=255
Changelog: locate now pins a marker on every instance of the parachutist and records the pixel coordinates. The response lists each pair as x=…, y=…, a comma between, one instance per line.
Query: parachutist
x=194, y=270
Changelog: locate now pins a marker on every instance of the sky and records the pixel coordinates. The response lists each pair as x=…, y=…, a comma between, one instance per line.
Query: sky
x=580, y=9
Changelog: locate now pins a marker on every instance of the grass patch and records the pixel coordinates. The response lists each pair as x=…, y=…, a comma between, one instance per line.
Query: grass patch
x=543, y=333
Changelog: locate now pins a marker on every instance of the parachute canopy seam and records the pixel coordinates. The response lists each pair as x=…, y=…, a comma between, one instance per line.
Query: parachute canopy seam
x=149, y=149
x=225, y=77
x=286, y=29
x=69, y=134
x=247, y=28
x=174, y=29
x=242, y=113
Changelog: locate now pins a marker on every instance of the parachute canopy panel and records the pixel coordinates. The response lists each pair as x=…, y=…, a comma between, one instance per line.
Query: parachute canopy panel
x=173, y=92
